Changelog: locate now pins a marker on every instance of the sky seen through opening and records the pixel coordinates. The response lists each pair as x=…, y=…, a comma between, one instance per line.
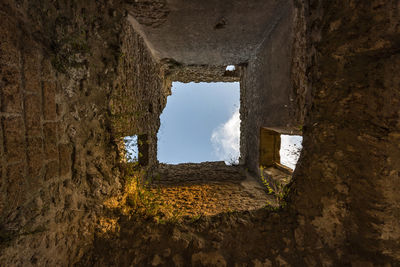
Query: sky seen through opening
x=200, y=123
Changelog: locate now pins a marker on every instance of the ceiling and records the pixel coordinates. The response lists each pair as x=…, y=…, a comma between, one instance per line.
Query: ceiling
x=210, y=32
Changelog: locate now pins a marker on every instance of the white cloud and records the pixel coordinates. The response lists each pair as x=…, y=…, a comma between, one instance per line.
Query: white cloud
x=226, y=139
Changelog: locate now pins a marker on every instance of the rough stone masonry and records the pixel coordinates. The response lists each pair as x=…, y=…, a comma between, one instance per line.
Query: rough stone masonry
x=76, y=76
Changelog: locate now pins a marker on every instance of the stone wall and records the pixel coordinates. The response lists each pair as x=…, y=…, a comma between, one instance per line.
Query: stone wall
x=249, y=238
x=200, y=73
x=57, y=154
x=62, y=65
x=140, y=93
x=343, y=190
x=203, y=172
x=267, y=98
x=75, y=78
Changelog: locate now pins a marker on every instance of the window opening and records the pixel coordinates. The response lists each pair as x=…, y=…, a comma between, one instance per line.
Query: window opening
x=290, y=150
x=137, y=149
x=200, y=123
x=279, y=149
x=131, y=148
x=279, y=154
x=230, y=68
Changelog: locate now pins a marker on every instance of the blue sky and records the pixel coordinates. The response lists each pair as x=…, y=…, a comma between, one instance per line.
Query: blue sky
x=194, y=123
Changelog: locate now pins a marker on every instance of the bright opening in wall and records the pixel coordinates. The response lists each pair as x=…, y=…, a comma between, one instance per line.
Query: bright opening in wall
x=200, y=123
x=290, y=150
x=131, y=147
x=137, y=149
x=279, y=149
x=230, y=68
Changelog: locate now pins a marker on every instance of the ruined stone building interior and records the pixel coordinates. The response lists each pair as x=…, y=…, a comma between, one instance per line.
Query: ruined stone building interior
x=77, y=77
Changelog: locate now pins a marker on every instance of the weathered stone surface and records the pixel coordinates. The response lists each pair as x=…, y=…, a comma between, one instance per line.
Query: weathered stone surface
x=199, y=73
x=346, y=133
x=208, y=32
x=11, y=89
x=266, y=90
x=16, y=185
x=208, y=259
x=10, y=54
x=197, y=172
x=33, y=115
x=54, y=51
x=139, y=95
x=218, y=235
x=14, y=138
x=49, y=96
x=35, y=157
x=10, y=66
x=50, y=140
x=152, y=14
x=51, y=171
x=65, y=151
x=201, y=198
x=32, y=68
x=77, y=75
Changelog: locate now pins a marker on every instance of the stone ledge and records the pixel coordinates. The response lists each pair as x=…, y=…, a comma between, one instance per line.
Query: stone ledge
x=197, y=173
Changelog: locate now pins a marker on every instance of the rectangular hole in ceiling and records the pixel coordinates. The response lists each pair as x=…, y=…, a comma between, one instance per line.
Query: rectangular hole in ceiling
x=200, y=123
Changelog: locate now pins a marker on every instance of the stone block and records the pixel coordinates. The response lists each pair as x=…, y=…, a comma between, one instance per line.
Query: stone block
x=1, y=176
x=65, y=151
x=1, y=140
x=2, y=188
x=50, y=140
x=15, y=184
x=35, y=157
x=32, y=69
x=32, y=115
x=9, y=52
x=10, y=84
x=14, y=138
x=47, y=69
x=52, y=170
x=49, y=99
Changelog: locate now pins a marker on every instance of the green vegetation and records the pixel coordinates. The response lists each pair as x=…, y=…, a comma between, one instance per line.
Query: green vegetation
x=276, y=189
x=142, y=198
x=300, y=127
x=146, y=200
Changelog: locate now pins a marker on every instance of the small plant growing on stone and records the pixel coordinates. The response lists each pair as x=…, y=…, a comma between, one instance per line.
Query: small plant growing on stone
x=277, y=189
x=141, y=197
